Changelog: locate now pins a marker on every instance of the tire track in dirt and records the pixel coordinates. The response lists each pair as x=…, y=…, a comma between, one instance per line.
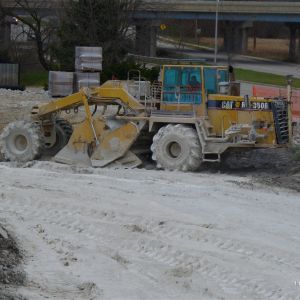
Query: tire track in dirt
x=154, y=249
x=62, y=286
x=170, y=229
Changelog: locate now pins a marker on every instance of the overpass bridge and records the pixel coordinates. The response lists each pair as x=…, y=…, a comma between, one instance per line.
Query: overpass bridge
x=266, y=11
x=237, y=17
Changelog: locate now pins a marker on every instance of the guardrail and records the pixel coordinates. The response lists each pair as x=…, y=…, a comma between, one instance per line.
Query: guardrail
x=165, y=60
x=251, y=7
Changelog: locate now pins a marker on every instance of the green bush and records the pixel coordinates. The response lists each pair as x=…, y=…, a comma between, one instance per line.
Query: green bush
x=4, y=56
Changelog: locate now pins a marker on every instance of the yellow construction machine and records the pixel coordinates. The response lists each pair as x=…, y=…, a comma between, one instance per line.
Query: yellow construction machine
x=193, y=115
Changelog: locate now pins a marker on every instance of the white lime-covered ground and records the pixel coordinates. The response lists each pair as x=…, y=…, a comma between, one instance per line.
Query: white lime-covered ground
x=138, y=234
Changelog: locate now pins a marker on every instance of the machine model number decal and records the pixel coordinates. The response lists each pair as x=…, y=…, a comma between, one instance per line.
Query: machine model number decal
x=244, y=105
x=260, y=105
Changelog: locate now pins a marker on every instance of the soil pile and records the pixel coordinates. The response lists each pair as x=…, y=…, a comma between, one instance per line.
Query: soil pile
x=11, y=275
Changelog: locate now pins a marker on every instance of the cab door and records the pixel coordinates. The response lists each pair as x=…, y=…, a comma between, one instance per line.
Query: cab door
x=212, y=78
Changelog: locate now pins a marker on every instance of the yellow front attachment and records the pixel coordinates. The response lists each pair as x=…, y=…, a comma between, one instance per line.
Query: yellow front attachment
x=117, y=90
x=115, y=144
x=92, y=141
x=81, y=142
x=108, y=146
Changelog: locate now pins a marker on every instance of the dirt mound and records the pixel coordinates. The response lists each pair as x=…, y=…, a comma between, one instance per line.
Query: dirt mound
x=274, y=167
x=269, y=160
x=289, y=181
x=11, y=275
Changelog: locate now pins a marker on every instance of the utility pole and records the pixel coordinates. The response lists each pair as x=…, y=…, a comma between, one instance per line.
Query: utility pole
x=216, y=30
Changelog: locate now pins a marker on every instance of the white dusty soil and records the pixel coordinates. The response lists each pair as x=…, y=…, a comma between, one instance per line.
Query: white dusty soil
x=16, y=105
x=138, y=234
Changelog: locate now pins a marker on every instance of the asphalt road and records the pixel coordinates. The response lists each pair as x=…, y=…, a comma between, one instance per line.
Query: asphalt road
x=238, y=61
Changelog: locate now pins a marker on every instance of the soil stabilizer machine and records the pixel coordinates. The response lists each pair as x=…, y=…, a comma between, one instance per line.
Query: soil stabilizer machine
x=192, y=116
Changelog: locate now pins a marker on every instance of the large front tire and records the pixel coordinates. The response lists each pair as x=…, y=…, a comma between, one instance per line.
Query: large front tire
x=20, y=141
x=177, y=147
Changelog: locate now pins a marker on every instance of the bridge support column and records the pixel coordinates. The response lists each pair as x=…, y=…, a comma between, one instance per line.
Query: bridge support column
x=5, y=32
x=146, y=38
x=293, y=42
x=236, y=36
x=245, y=35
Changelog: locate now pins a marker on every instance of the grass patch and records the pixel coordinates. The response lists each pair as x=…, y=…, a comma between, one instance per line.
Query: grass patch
x=264, y=78
x=40, y=78
x=34, y=78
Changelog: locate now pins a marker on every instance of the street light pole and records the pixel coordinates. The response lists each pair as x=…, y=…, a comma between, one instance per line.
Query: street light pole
x=216, y=30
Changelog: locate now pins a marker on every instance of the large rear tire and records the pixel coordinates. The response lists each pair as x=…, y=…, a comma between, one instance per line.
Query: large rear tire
x=66, y=127
x=21, y=141
x=296, y=136
x=63, y=130
x=177, y=147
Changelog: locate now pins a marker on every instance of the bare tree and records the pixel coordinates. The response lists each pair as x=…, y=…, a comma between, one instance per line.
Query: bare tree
x=103, y=23
x=38, y=17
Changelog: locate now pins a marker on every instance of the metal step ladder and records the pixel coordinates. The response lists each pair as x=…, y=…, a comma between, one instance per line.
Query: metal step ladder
x=203, y=128
x=280, y=113
x=213, y=146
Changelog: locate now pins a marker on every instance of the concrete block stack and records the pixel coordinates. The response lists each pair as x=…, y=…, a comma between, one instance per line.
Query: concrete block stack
x=86, y=80
x=88, y=65
x=60, y=83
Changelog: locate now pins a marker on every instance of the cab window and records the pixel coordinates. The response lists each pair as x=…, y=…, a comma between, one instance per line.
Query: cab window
x=171, y=77
x=182, y=85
